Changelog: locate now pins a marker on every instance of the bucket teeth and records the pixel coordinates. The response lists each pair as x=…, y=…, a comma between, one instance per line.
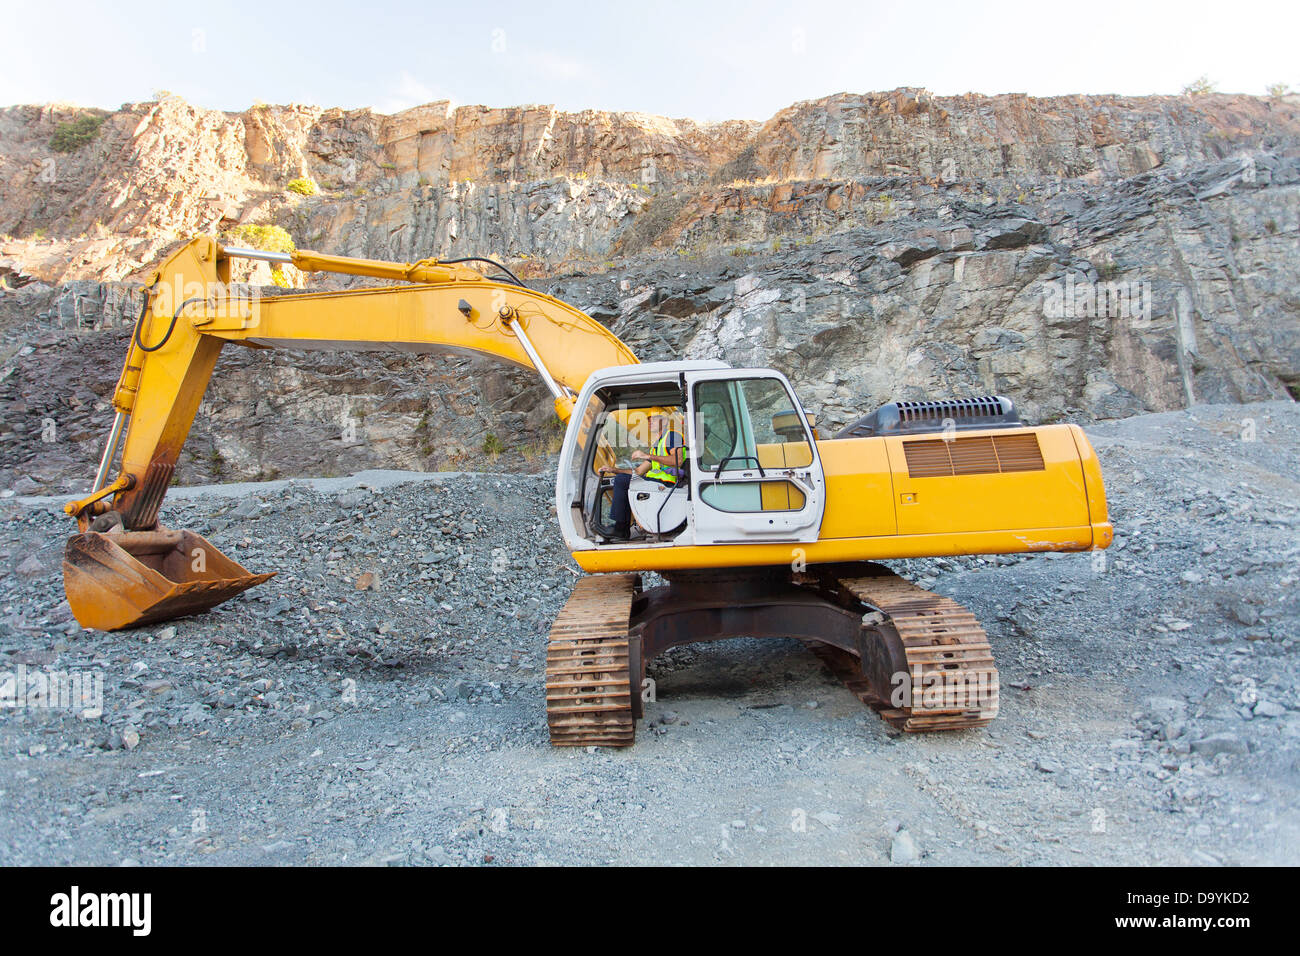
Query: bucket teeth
x=132, y=578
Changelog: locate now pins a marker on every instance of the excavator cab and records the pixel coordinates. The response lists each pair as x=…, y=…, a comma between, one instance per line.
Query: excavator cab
x=751, y=472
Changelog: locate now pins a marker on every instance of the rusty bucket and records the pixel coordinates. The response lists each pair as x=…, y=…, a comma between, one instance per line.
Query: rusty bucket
x=131, y=578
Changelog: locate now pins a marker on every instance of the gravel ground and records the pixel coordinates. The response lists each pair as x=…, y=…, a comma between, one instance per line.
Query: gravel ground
x=380, y=700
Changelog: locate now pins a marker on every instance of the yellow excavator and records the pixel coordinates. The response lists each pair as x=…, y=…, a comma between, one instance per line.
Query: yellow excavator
x=762, y=528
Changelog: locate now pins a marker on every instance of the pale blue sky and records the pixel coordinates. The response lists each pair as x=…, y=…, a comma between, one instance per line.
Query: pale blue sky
x=704, y=60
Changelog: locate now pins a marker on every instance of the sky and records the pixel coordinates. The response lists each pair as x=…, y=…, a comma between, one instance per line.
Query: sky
x=702, y=60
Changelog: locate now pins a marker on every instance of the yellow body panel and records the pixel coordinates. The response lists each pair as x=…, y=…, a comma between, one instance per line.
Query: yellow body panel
x=780, y=496
x=1054, y=497
x=1096, y=489
x=859, y=489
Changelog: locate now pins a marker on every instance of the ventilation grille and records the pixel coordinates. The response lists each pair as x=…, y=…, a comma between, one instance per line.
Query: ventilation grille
x=963, y=414
x=980, y=409
x=986, y=455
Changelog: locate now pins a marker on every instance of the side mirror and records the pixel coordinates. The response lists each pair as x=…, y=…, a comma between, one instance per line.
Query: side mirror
x=787, y=425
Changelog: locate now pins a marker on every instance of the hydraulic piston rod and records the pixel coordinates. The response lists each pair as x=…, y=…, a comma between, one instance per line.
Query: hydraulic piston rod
x=233, y=253
x=110, y=451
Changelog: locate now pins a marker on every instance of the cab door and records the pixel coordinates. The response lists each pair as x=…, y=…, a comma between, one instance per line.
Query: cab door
x=755, y=471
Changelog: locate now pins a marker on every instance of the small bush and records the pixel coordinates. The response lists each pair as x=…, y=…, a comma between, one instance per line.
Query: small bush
x=303, y=187
x=1278, y=90
x=1200, y=86
x=265, y=238
x=493, y=445
x=71, y=136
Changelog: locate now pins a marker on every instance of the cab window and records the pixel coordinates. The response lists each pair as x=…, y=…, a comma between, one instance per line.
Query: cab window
x=749, y=422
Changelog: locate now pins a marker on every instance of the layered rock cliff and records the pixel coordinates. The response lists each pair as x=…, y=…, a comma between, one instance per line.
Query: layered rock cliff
x=1092, y=257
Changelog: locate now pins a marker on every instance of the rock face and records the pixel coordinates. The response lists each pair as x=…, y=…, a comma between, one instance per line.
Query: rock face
x=1091, y=257
x=539, y=182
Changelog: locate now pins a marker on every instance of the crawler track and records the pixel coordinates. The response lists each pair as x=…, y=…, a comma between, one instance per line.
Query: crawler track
x=588, y=684
x=935, y=644
x=949, y=663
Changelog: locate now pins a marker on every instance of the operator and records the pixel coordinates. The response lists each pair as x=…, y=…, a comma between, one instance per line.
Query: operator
x=663, y=465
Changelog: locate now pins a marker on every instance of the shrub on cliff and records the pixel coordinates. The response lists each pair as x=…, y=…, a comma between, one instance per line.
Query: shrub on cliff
x=71, y=136
x=1200, y=86
x=265, y=238
x=303, y=187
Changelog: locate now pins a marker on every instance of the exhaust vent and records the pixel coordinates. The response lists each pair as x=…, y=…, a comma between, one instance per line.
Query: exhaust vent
x=986, y=455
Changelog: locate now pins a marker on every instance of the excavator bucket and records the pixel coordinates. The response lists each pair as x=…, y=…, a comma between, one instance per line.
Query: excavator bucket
x=131, y=578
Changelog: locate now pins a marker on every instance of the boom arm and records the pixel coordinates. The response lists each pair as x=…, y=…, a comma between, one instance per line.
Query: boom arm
x=191, y=311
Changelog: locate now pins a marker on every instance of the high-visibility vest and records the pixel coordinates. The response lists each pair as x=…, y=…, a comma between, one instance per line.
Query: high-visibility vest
x=657, y=470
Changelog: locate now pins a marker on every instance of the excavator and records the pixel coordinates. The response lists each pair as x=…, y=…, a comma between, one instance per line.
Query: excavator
x=768, y=530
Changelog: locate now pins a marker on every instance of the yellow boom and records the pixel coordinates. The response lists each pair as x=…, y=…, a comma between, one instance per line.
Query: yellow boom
x=191, y=311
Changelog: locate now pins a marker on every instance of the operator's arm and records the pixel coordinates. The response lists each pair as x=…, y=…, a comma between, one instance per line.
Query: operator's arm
x=674, y=457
